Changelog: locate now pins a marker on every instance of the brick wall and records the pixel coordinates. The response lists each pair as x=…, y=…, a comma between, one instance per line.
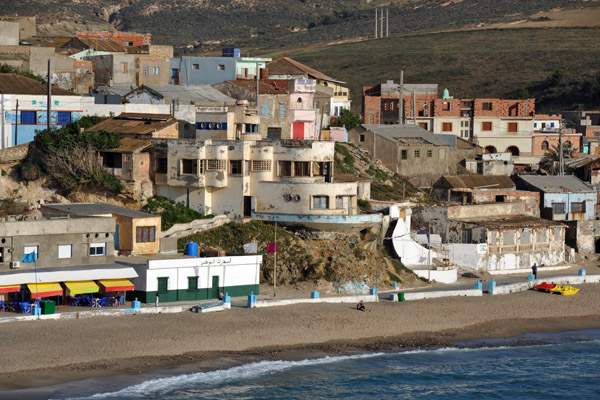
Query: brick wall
x=371, y=109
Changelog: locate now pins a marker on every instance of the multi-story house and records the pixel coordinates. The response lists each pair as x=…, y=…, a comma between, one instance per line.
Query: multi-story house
x=331, y=96
x=287, y=181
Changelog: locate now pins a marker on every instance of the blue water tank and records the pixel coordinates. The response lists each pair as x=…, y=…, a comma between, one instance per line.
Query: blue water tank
x=191, y=249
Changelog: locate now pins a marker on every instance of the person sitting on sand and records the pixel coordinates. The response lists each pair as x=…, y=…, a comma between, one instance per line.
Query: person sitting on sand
x=361, y=306
x=221, y=295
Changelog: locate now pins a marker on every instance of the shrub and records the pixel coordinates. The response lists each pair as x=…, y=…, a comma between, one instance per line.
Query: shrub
x=171, y=212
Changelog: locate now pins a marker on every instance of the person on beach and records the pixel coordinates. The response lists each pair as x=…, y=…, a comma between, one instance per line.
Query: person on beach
x=156, y=300
x=221, y=295
x=361, y=306
x=534, y=270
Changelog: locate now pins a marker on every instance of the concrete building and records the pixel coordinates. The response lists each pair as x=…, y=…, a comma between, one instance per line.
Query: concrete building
x=568, y=199
x=196, y=70
x=27, y=25
x=589, y=122
x=114, y=68
x=145, y=126
x=287, y=181
x=406, y=149
x=491, y=164
x=563, y=198
x=191, y=278
x=490, y=237
x=135, y=232
x=57, y=242
x=9, y=33
x=485, y=190
x=331, y=96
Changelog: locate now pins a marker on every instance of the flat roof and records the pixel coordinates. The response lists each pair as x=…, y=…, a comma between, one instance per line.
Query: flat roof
x=510, y=222
x=98, y=209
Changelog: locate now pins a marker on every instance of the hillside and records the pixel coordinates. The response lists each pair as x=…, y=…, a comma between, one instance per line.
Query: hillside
x=274, y=23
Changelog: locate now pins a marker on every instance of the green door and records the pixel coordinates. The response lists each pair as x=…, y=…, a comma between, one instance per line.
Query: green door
x=163, y=289
x=215, y=287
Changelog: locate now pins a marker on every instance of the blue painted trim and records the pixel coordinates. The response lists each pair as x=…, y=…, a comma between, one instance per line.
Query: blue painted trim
x=337, y=219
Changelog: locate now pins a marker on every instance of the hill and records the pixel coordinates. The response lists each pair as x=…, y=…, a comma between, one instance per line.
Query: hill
x=274, y=23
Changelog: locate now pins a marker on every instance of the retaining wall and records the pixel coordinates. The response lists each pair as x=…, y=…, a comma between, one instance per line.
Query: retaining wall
x=559, y=280
x=444, y=293
x=339, y=299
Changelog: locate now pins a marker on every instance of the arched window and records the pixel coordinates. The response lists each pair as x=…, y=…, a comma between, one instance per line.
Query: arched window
x=568, y=144
x=514, y=150
x=545, y=145
x=299, y=103
x=490, y=149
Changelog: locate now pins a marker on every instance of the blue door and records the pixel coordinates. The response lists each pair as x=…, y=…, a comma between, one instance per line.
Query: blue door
x=117, y=238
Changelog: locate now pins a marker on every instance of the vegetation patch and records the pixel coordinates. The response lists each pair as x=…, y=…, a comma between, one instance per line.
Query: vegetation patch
x=171, y=212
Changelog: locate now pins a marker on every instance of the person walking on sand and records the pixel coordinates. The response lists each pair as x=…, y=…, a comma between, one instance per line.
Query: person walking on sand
x=534, y=270
x=156, y=300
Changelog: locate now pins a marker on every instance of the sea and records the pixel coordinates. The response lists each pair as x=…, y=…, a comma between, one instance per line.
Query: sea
x=532, y=366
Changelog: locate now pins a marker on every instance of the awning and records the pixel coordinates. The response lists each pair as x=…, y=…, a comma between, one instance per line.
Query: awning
x=10, y=289
x=116, y=285
x=45, y=289
x=82, y=287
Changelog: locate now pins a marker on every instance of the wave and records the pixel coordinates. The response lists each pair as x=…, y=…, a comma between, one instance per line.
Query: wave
x=163, y=386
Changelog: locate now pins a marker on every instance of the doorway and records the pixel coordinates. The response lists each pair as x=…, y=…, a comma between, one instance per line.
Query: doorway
x=247, y=206
x=214, y=293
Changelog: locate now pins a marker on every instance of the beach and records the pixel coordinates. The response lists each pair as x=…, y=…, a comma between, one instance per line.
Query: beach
x=46, y=352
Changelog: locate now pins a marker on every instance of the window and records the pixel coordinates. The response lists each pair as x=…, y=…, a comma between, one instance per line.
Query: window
x=65, y=251
x=467, y=236
x=195, y=66
x=404, y=154
x=285, y=168
x=429, y=153
x=417, y=153
x=558, y=208
x=447, y=127
x=221, y=67
x=446, y=106
x=540, y=237
x=215, y=165
x=301, y=168
x=486, y=126
x=156, y=70
x=97, y=249
x=486, y=106
x=500, y=198
x=145, y=69
x=342, y=202
x=28, y=117
x=281, y=110
x=161, y=165
x=493, y=238
x=64, y=117
x=362, y=138
x=261, y=166
x=578, y=207
x=509, y=238
x=192, y=284
x=112, y=160
x=124, y=68
x=545, y=145
x=320, y=201
x=32, y=249
x=145, y=234
x=264, y=110
x=235, y=167
x=525, y=237
x=556, y=234
x=513, y=127
x=189, y=167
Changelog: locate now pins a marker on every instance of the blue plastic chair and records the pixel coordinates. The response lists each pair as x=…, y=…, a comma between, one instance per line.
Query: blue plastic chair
x=122, y=300
x=103, y=302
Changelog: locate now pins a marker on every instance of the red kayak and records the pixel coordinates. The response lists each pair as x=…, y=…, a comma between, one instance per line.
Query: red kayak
x=545, y=286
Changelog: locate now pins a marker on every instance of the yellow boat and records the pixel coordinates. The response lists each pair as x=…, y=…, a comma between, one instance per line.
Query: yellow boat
x=564, y=290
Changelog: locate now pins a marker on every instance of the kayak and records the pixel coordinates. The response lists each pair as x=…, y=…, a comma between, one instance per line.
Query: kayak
x=564, y=290
x=545, y=286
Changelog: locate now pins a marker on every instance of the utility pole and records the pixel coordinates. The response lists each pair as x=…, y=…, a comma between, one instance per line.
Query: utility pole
x=381, y=18
x=275, y=265
x=376, y=262
x=257, y=83
x=375, y=22
x=561, y=170
x=429, y=252
x=414, y=107
x=387, y=22
x=401, y=104
x=49, y=97
x=16, y=124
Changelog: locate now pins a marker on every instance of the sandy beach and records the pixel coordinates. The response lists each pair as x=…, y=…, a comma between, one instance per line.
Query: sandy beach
x=40, y=353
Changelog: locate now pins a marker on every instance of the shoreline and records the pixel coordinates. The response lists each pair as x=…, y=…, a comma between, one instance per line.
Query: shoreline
x=44, y=354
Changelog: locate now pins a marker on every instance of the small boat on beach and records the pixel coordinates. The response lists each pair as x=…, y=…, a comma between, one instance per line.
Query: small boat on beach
x=545, y=287
x=564, y=290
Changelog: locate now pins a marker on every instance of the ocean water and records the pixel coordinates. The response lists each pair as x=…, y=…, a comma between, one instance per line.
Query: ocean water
x=535, y=366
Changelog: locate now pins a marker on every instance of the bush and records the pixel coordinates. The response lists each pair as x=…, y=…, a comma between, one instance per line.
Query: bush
x=171, y=212
x=364, y=205
x=29, y=171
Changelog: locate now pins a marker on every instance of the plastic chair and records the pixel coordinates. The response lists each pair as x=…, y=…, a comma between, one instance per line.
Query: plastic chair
x=121, y=300
x=2, y=305
x=103, y=302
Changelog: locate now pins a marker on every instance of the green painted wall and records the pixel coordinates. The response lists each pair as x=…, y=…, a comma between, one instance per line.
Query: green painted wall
x=185, y=295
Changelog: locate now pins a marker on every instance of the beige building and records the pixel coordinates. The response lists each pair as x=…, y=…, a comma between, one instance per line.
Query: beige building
x=287, y=181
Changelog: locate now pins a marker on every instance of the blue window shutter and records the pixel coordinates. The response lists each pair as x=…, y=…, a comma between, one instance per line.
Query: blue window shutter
x=64, y=117
x=264, y=110
x=28, y=117
x=282, y=110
